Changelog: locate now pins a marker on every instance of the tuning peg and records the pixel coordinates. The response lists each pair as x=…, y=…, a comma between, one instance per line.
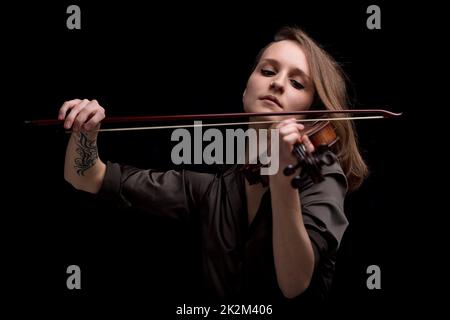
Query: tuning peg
x=295, y=182
x=290, y=169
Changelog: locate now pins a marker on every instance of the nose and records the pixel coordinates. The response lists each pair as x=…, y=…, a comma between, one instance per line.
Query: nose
x=276, y=85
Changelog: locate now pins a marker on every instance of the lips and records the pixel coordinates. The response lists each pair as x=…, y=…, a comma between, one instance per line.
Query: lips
x=272, y=99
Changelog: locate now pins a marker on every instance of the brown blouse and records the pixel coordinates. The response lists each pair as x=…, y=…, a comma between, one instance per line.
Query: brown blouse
x=237, y=258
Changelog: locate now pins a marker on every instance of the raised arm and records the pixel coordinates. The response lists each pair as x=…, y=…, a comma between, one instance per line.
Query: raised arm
x=83, y=167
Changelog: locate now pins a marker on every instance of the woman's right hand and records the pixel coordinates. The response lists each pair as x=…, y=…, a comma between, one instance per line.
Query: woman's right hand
x=83, y=114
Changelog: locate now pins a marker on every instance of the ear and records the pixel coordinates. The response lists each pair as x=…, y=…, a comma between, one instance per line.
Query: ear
x=243, y=94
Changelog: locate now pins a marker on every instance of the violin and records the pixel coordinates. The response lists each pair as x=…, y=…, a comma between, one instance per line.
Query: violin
x=323, y=137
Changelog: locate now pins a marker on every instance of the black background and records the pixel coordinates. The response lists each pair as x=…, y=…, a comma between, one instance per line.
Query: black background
x=192, y=58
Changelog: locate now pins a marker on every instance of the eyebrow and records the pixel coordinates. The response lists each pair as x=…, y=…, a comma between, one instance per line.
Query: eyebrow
x=298, y=70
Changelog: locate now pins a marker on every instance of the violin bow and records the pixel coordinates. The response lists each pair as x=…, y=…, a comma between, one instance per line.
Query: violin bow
x=364, y=115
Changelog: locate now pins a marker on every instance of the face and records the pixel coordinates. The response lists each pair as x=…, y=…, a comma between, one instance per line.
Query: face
x=280, y=82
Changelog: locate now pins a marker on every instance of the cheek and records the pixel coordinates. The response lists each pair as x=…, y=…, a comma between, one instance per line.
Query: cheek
x=252, y=84
x=245, y=102
x=300, y=101
x=250, y=94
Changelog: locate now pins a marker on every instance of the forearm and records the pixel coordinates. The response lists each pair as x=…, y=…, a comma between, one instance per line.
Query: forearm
x=83, y=168
x=292, y=248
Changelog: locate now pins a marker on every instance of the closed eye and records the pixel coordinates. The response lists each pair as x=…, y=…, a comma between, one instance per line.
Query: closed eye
x=297, y=84
x=267, y=72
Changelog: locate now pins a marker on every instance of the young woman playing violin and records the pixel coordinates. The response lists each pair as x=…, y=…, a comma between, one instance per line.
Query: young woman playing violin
x=260, y=242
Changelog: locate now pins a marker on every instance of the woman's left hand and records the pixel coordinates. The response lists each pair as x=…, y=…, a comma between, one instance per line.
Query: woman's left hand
x=290, y=134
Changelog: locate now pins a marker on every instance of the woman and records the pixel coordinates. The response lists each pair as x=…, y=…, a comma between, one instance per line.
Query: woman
x=259, y=242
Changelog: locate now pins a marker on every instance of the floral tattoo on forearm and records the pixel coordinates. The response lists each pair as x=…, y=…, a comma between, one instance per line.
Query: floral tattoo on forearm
x=87, y=149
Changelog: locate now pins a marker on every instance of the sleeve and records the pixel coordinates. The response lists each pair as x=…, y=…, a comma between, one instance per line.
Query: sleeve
x=172, y=194
x=323, y=211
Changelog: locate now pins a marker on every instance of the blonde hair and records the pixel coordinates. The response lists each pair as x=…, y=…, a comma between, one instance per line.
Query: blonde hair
x=331, y=94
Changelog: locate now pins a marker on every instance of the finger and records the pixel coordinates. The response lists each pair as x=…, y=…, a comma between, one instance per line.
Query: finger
x=94, y=120
x=66, y=106
x=288, y=130
x=292, y=138
x=85, y=114
x=291, y=127
x=307, y=143
x=74, y=112
x=294, y=122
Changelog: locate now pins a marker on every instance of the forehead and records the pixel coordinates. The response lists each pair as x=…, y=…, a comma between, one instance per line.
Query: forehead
x=288, y=53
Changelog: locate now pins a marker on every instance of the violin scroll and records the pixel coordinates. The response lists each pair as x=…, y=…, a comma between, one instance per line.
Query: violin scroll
x=323, y=137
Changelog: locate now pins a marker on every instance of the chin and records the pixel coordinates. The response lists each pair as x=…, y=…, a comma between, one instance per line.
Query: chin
x=261, y=108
